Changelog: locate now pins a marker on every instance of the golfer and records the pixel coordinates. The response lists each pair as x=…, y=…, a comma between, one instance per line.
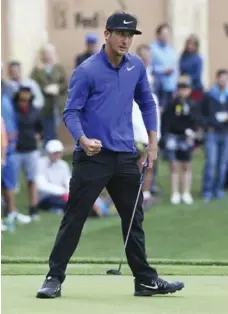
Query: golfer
x=98, y=114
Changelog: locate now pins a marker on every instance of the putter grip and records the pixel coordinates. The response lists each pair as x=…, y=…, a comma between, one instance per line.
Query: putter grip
x=143, y=172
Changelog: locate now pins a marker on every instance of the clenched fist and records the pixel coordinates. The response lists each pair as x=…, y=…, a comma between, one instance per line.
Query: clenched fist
x=90, y=146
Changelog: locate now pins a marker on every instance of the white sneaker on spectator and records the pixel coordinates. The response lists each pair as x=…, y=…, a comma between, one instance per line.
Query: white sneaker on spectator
x=3, y=227
x=175, y=199
x=23, y=219
x=187, y=198
x=10, y=222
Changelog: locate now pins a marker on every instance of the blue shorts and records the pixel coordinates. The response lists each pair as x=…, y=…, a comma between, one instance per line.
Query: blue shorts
x=9, y=173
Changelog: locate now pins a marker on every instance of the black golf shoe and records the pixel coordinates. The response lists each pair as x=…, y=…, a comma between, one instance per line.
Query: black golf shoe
x=157, y=286
x=50, y=289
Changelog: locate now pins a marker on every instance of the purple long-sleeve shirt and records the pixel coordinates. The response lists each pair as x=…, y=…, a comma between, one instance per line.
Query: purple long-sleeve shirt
x=100, y=100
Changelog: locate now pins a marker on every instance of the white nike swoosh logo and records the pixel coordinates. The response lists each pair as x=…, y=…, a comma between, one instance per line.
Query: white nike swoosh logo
x=154, y=287
x=58, y=289
x=128, y=22
x=131, y=68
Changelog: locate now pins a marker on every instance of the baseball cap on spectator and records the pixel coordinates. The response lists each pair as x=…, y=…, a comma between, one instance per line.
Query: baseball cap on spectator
x=54, y=146
x=122, y=22
x=91, y=38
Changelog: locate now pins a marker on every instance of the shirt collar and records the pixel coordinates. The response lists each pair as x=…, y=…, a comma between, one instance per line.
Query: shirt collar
x=162, y=44
x=125, y=59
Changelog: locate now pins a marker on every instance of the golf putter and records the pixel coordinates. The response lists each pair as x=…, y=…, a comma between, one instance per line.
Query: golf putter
x=117, y=271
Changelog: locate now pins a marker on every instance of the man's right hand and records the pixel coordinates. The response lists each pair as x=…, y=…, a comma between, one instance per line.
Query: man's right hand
x=90, y=146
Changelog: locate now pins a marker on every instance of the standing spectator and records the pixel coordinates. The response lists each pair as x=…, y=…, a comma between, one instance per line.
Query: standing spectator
x=29, y=133
x=4, y=143
x=180, y=130
x=52, y=80
x=191, y=64
x=53, y=177
x=5, y=89
x=16, y=80
x=143, y=51
x=164, y=65
x=215, y=119
x=91, y=41
x=226, y=180
x=140, y=133
x=8, y=175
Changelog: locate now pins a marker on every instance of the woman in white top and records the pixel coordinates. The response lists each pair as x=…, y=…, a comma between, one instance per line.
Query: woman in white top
x=140, y=133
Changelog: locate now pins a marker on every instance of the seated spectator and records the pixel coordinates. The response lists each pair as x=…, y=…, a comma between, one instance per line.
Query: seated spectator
x=16, y=80
x=53, y=177
x=91, y=41
x=181, y=124
x=29, y=133
x=8, y=174
x=51, y=78
x=191, y=64
x=140, y=133
x=215, y=121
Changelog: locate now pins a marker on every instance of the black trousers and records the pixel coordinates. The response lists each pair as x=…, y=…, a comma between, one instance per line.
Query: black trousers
x=119, y=173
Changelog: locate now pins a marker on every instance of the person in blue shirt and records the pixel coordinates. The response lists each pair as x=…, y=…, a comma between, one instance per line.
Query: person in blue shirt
x=98, y=114
x=191, y=64
x=214, y=108
x=91, y=41
x=9, y=168
x=164, y=65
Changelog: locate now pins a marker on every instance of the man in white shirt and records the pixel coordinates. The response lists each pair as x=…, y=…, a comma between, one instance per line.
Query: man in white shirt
x=16, y=80
x=53, y=177
x=140, y=133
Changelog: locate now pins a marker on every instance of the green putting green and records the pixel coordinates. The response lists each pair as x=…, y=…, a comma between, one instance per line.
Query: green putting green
x=114, y=295
x=100, y=269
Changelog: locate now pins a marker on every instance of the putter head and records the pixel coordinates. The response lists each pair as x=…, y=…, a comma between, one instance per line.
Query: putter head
x=113, y=272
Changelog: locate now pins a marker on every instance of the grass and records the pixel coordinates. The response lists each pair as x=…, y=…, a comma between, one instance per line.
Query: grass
x=197, y=232
x=172, y=233
x=104, y=294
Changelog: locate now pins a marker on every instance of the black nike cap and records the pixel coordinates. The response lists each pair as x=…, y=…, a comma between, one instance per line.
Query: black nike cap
x=122, y=21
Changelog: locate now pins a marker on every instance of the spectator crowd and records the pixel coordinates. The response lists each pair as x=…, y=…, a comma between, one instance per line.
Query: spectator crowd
x=189, y=115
